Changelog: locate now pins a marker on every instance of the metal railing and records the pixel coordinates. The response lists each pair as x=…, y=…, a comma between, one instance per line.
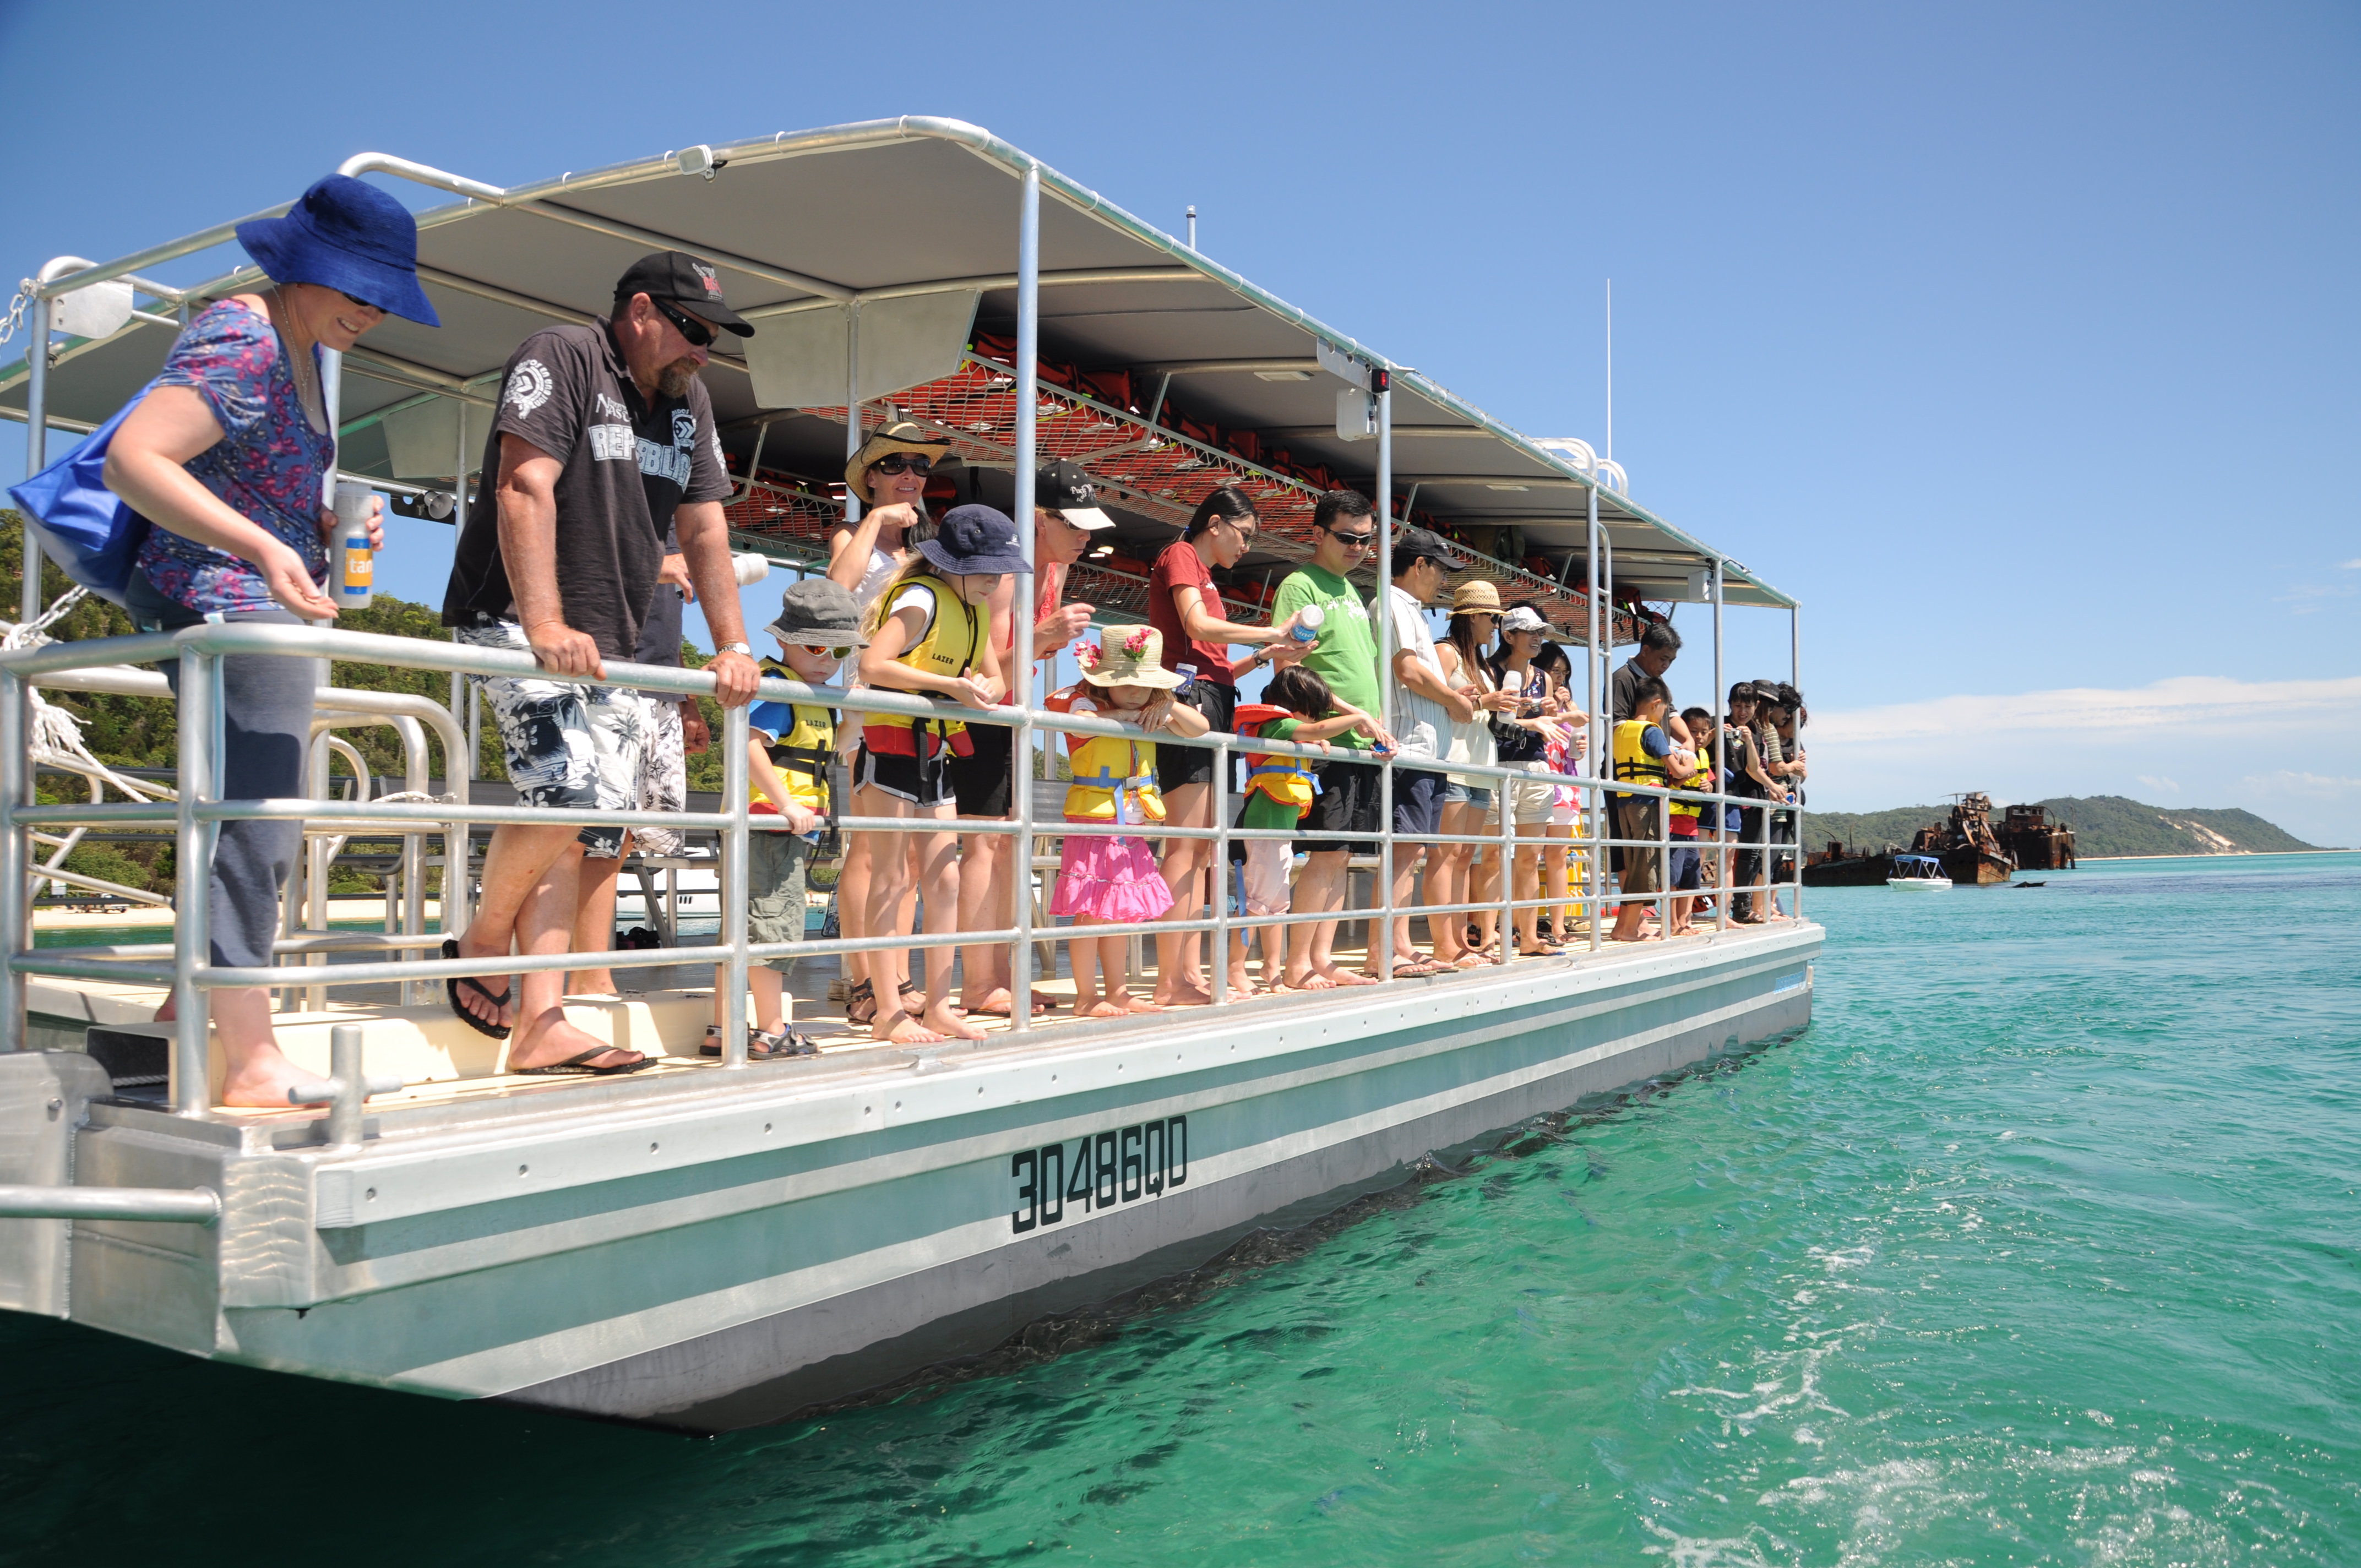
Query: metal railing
x=195, y=815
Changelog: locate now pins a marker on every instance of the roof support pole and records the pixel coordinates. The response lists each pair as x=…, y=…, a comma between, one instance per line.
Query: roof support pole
x=851, y=405
x=1795, y=679
x=1597, y=811
x=1381, y=940
x=1724, y=910
x=37, y=441
x=1020, y=603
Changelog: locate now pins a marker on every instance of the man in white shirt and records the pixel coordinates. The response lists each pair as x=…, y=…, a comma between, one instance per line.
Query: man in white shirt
x=1420, y=708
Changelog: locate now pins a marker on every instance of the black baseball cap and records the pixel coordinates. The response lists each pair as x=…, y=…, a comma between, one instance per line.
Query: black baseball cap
x=1067, y=489
x=676, y=276
x=1414, y=543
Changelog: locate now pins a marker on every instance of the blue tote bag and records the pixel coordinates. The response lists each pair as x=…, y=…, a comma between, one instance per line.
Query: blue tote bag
x=84, y=527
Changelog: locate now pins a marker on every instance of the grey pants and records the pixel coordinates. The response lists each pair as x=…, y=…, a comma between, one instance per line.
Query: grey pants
x=267, y=706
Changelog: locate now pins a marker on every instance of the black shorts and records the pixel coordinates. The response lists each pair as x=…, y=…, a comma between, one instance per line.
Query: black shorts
x=1177, y=765
x=984, y=781
x=1347, y=803
x=1418, y=801
x=905, y=778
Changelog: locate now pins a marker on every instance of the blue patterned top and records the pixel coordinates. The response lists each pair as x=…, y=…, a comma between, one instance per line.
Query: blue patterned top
x=268, y=466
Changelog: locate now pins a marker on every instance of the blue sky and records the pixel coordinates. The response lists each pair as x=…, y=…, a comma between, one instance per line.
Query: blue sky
x=2019, y=341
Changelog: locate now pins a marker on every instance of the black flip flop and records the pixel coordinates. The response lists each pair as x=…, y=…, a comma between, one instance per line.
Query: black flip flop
x=578, y=1066
x=451, y=988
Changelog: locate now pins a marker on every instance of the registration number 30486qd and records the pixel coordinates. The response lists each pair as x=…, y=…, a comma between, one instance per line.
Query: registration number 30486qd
x=1103, y=1170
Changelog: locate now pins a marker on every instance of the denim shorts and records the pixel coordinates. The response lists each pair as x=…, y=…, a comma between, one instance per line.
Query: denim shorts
x=1457, y=793
x=570, y=747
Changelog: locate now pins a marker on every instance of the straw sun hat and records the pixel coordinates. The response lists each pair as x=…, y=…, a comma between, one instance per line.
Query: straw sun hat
x=1136, y=661
x=1478, y=597
x=900, y=436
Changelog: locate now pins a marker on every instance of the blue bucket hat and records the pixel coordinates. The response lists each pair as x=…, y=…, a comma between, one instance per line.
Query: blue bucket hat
x=974, y=540
x=349, y=236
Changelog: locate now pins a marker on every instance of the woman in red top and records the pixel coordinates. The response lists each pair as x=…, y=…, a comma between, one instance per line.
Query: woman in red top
x=1184, y=604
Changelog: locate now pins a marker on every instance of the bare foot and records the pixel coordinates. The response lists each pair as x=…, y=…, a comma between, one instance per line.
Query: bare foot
x=592, y=983
x=1102, y=1010
x=546, y=1039
x=263, y=1080
x=1241, y=985
x=954, y=1026
x=901, y=1029
x=1183, y=997
x=1143, y=1004
x=1335, y=976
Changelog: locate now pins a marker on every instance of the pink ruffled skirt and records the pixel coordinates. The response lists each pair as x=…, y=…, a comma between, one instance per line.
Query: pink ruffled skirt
x=1111, y=878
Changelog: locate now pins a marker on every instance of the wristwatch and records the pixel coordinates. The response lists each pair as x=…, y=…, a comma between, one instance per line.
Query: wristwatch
x=733, y=648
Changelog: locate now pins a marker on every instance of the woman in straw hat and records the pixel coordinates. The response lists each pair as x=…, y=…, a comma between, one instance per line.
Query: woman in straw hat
x=229, y=455
x=1467, y=799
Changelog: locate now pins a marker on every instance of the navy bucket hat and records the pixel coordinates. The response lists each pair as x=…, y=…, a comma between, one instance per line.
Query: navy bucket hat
x=974, y=540
x=347, y=235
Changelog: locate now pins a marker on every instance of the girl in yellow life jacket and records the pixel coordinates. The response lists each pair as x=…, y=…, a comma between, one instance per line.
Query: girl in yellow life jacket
x=1297, y=706
x=1110, y=879
x=930, y=637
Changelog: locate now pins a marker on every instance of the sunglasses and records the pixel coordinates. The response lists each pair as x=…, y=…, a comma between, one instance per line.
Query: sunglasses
x=1352, y=540
x=699, y=335
x=362, y=303
x=904, y=463
x=832, y=652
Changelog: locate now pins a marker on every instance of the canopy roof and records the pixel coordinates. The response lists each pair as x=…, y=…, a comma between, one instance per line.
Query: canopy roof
x=1163, y=372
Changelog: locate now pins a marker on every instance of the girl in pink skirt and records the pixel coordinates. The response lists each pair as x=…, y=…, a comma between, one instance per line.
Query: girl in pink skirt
x=1111, y=879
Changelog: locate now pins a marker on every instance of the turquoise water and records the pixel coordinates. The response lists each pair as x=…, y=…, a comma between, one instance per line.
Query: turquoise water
x=2040, y=1248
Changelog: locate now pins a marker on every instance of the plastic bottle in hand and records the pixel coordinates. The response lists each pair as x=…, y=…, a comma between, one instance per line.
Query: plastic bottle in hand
x=1308, y=622
x=352, y=564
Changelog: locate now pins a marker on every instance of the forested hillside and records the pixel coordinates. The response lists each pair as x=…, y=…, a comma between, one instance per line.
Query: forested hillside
x=2103, y=825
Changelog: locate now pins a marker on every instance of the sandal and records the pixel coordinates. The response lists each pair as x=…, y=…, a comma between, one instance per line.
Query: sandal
x=451, y=988
x=762, y=1044
x=579, y=1065
x=902, y=999
x=861, y=1005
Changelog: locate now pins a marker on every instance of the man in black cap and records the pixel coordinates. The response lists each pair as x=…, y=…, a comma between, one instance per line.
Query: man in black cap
x=603, y=441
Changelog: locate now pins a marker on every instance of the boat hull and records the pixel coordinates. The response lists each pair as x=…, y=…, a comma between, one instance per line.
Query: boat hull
x=739, y=1250
x=1919, y=884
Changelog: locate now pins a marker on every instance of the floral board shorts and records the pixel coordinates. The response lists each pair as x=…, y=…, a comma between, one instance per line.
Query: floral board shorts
x=570, y=747
x=664, y=778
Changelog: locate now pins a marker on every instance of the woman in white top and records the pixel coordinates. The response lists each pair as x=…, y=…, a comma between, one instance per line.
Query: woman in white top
x=890, y=472
x=1464, y=874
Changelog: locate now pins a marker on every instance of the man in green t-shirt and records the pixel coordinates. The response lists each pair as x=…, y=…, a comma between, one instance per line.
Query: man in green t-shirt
x=1345, y=657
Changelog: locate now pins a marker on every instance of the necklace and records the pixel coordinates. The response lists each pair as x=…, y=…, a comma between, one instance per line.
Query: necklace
x=300, y=367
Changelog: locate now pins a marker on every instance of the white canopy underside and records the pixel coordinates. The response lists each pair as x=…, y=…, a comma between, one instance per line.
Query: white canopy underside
x=917, y=219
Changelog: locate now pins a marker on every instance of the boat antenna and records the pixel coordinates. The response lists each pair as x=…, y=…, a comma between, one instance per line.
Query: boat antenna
x=1192, y=225
x=1610, y=365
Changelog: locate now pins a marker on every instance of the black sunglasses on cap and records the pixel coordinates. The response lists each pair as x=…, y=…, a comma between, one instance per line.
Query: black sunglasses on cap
x=904, y=463
x=699, y=335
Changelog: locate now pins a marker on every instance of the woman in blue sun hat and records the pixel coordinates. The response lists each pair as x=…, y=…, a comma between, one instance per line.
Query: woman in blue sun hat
x=229, y=455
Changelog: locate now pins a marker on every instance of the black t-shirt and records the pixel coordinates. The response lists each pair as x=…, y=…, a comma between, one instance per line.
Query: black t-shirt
x=628, y=463
x=660, y=632
x=1624, y=684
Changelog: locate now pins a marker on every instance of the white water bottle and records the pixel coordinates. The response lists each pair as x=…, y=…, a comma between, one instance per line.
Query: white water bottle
x=1308, y=622
x=352, y=564
x=751, y=568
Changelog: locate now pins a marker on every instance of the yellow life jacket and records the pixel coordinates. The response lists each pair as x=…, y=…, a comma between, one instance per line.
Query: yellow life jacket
x=1107, y=771
x=1290, y=781
x=803, y=753
x=1701, y=781
x=951, y=646
x=1632, y=760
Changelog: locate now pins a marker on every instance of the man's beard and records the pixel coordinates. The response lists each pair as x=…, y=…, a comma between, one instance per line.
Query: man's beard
x=673, y=380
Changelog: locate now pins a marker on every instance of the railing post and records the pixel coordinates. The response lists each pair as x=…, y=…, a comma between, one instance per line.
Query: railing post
x=1383, y=943
x=1795, y=679
x=37, y=446
x=1506, y=795
x=1721, y=904
x=16, y=856
x=1222, y=878
x=734, y=889
x=1020, y=632
x=193, y=885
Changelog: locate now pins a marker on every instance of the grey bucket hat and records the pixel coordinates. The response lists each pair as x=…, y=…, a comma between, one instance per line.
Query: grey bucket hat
x=818, y=611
